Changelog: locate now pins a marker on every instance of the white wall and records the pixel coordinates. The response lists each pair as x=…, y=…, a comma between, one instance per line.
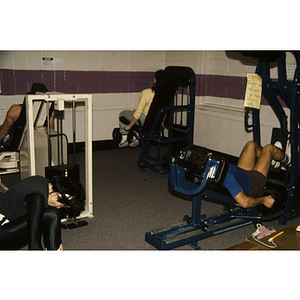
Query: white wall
x=106, y=107
x=219, y=121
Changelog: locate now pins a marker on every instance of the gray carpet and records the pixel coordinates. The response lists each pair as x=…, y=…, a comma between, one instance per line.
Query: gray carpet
x=128, y=202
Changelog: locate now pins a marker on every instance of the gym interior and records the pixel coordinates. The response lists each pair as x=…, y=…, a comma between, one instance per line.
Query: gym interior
x=128, y=201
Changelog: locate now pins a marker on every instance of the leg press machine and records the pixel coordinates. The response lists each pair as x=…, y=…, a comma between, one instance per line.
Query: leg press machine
x=282, y=183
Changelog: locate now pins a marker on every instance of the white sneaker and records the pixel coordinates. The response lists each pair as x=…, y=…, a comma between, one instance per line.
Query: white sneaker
x=278, y=145
x=123, y=144
x=287, y=160
x=276, y=164
x=134, y=143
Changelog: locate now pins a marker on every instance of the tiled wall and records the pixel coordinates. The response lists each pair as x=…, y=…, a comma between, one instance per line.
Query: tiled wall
x=222, y=127
x=115, y=79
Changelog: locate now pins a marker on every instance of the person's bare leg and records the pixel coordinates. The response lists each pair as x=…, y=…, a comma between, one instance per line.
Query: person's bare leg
x=268, y=153
x=250, y=153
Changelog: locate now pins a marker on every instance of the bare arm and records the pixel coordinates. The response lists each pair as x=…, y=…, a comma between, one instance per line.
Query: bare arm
x=4, y=128
x=246, y=201
x=11, y=116
x=143, y=102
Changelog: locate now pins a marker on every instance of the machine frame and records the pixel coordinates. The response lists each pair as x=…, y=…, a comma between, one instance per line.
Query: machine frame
x=82, y=98
x=199, y=226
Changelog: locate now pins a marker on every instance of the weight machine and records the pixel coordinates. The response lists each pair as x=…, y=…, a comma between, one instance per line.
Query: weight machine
x=173, y=104
x=9, y=164
x=44, y=151
x=282, y=184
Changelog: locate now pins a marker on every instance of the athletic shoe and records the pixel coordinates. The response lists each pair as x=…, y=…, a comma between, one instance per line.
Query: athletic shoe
x=276, y=164
x=123, y=144
x=287, y=160
x=134, y=143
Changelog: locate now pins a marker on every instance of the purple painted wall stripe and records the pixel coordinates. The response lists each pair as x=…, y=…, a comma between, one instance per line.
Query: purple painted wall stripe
x=18, y=82
x=225, y=87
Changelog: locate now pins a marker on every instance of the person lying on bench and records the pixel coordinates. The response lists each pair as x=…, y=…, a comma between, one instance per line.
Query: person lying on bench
x=31, y=209
x=8, y=126
x=246, y=180
x=140, y=113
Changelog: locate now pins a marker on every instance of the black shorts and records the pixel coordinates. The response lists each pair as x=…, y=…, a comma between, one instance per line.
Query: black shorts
x=257, y=182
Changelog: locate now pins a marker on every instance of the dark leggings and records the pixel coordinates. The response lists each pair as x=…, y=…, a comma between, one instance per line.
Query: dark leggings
x=29, y=229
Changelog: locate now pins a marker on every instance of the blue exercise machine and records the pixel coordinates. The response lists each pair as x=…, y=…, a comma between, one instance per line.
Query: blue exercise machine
x=174, y=105
x=282, y=184
x=184, y=179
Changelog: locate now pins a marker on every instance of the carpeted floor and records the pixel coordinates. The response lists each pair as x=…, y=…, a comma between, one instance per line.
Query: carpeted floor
x=128, y=202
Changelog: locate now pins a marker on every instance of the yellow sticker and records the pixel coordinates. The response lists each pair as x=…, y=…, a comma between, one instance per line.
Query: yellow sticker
x=253, y=91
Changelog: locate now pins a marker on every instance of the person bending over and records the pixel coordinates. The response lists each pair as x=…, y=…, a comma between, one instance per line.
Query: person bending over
x=246, y=180
x=146, y=98
x=30, y=210
x=8, y=126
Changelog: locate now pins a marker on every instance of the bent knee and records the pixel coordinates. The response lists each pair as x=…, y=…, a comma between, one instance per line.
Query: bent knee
x=270, y=148
x=251, y=144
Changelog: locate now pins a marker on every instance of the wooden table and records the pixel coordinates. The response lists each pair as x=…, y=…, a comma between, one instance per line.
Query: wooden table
x=292, y=233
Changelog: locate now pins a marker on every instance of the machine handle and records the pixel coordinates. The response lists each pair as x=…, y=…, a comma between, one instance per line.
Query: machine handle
x=246, y=122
